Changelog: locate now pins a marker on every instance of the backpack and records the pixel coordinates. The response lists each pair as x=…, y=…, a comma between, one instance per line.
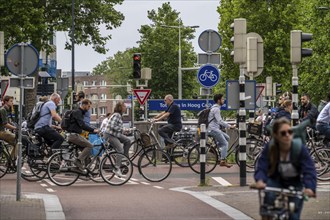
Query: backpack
x=66, y=120
x=34, y=117
x=203, y=117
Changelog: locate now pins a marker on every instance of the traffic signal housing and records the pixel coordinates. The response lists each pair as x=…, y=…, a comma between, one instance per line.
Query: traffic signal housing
x=137, y=66
x=239, y=40
x=276, y=89
x=297, y=37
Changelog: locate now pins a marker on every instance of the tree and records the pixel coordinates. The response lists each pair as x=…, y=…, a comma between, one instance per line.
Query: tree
x=159, y=47
x=37, y=21
x=274, y=20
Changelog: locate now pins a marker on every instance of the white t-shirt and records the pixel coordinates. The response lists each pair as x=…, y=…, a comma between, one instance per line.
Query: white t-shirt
x=104, y=124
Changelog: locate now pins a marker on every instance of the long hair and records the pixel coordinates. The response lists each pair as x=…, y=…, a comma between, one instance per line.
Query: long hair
x=274, y=148
x=119, y=107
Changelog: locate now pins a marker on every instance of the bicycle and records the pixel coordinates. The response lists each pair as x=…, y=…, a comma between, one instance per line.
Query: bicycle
x=178, y=153
x=283, y=204
x=152, y=162
x=319, y=153
x=213, y=154
x=104, y=163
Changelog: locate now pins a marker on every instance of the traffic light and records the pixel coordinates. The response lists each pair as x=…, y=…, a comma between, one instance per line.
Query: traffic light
x=276, y=89
x=137, y=66
x=239, y=40
x=297, y=37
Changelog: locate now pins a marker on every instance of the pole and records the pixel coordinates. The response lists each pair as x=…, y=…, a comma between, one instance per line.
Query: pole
x=251, y=112
x=294, y=115
x=242, y=128
x=202, y=154
x=72, y=55
x=179, y=68
x=132, y=108
x=19, y=163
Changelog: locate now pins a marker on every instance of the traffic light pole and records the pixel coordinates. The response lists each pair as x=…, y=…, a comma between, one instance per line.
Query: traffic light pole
x=294, y=115
x=242, y=128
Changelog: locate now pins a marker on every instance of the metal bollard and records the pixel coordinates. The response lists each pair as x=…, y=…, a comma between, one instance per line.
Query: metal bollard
x=202, y=154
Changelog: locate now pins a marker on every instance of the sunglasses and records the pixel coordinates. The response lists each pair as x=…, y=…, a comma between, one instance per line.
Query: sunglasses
x=284, y=133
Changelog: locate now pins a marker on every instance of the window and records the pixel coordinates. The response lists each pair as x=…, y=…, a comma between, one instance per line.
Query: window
x=93, y=111
x=103, y=110
x=95, y=97
x=93, y=83
x=103, y=83
x=103, y=96
x=85, y=83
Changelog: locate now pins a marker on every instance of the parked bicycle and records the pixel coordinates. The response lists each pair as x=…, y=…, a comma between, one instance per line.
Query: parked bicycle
x=104, y=163
x=213, y=153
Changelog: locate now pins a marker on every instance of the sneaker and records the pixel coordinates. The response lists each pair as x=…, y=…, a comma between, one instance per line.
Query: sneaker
x=78, y=164
x=118, y=173
x=223, y=163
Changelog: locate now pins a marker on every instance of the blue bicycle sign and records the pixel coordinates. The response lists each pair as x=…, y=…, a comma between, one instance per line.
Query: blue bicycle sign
x=208, y=76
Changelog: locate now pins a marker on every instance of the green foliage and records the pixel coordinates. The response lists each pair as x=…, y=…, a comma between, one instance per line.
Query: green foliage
x=273, y=21
x=159, y=47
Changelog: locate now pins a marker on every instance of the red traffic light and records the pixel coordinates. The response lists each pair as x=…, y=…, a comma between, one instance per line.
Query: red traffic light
x=137, y=57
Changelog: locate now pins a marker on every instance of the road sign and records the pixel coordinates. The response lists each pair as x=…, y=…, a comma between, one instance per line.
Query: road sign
x=142, y=95
x=208, y=76
x=209, y=40
x=212, y=58
x=184, y=104
x=14, y=59
x=232, y=91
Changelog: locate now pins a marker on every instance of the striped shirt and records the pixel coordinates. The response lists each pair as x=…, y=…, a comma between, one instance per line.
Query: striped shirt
x=115, y=125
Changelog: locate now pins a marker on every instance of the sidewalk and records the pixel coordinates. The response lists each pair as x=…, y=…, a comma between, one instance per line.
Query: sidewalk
x=32, y=206
x=242, y=202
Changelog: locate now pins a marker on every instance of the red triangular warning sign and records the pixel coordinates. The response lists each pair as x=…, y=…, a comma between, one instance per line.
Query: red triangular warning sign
x=142, y=95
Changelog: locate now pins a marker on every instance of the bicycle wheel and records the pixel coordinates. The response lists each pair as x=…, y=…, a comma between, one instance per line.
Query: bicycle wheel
x=155, y=165
x=253, y=149
x=61, y=170
x=3, y=161
x=180, y=155
x=94, y=170
x=211, y=158
x=322, y=163
x=110, y=163
x=134, y=151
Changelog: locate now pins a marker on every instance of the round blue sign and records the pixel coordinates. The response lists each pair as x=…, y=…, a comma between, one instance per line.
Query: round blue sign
x=208, y=76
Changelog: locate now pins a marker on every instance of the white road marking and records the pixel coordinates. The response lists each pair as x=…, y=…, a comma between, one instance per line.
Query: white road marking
x=43, y=185
x=158, y=187
x=222, y=181
x=228, y=210
x=50, y=190
x=145, y=183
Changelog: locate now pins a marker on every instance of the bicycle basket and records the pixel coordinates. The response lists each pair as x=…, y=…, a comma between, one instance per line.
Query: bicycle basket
x=145, y=138
x=255, y=129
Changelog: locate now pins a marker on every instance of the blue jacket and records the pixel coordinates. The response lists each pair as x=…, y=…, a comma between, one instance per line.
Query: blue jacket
x=282, y=113
x=306, y=164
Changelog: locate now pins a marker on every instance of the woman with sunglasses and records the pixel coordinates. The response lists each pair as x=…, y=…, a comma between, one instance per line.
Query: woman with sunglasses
x=276, y=166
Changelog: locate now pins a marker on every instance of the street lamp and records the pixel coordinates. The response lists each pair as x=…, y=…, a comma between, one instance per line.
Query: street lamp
x=179, y=68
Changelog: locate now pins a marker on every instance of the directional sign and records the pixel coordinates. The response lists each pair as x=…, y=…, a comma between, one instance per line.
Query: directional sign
x=142, y=95
x=184, y=104
x=208, y=76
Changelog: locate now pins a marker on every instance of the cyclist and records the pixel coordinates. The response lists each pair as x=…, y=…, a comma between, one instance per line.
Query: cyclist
x=105, y=122
x=307, y=110
x=5, y=135
x=285, y=111
x=173, y=115
x=277, y=166
x=44, y=125
x=323, y=120
x=215, y=123
x=114, y=133
x=77, y=125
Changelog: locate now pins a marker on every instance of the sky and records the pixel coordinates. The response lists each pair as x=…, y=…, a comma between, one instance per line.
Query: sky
x=192, y=12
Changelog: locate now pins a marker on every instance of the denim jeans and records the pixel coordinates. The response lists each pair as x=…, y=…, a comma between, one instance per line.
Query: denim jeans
x=324, y=129
x=222, y=141
x=117, y=142
x=270, y=198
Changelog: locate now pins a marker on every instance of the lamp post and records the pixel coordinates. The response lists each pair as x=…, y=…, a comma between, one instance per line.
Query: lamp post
x=72, y=55
x=179, y=67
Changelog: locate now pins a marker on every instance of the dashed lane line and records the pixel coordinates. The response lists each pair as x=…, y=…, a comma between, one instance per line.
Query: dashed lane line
x=222, y=181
